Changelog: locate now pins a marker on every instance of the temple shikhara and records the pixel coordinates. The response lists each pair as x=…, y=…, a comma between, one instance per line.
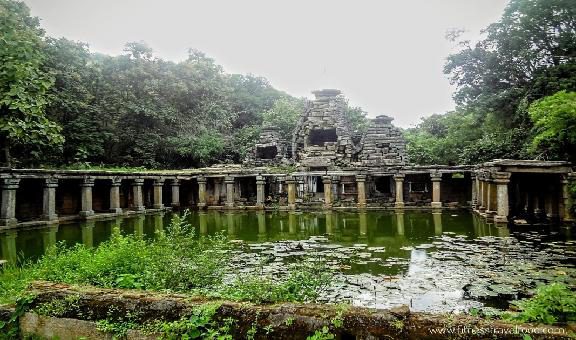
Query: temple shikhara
x=325, y=165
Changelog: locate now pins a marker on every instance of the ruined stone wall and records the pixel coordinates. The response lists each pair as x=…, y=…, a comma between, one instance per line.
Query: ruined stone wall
x=269, y=149
x=383, y=144
x=325, y=113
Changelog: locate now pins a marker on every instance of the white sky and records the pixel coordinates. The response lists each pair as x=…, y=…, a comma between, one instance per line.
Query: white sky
x=386, y=56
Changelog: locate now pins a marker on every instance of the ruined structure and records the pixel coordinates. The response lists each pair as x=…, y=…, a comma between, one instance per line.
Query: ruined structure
x=329, y=171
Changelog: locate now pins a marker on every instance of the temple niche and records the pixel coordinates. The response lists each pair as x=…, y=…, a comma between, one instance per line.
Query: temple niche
x=323, y=137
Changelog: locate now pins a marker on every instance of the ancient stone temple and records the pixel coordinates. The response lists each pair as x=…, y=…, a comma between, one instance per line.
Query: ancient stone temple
x=323, y=137
x=383, y=144
x=269, y=149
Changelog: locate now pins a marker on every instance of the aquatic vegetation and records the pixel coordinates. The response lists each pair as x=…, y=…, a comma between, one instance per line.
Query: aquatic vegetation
x=552, y=303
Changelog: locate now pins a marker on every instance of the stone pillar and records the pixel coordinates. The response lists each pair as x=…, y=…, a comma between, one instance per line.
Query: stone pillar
x=260, y=182
x=474, y=200
x=436, y=178
x=137, y=198
x=115, y=196
x=489, y=199
x=201, y=191
x=49, y=200
x=566, y=199
x=335, y=188
x=291, y=182
x=482, y=195
x=8, y=207
x=501, y=180
x=86, y=197
x=327, y=180
x=536, y=204
x=175, y=185
x=399, y=180
x=361, y=188
x=158, y=184
x=229, y=180
x=552, y=203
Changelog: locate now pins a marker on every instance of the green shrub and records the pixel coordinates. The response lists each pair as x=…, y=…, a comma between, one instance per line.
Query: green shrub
x=552, y=303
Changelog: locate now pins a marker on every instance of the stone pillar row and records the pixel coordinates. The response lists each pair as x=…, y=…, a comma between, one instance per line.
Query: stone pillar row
x=9, y=187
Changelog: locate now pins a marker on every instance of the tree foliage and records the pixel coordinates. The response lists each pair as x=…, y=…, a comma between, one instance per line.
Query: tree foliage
x=530, y=53
x=24, y=83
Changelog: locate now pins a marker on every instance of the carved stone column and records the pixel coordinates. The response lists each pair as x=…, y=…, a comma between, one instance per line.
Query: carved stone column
x=260, y=182
x=399, y=180
x=158, y=184
x=482, y=194
x=474, y=200
x=115, y=195
x=361, y=190
x=201, y=191
x=436, y=178
x=86, y=197
x=501, y=180
x=327, y=181
x=291, y=182
x=8, y=207
x=137, y=198
x=175, y=199
x=229, y=180
x=49, y=200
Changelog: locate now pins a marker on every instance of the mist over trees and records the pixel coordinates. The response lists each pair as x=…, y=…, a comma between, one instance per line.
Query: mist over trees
x=529, y=54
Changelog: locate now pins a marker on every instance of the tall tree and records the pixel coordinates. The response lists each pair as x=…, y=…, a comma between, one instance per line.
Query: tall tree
x=23, y=83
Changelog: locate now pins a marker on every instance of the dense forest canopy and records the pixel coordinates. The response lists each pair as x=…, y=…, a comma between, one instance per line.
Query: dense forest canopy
x=63, y=105
x=528, y=55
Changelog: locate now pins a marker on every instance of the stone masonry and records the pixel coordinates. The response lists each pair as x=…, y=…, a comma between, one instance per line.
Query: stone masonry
x=383, y=144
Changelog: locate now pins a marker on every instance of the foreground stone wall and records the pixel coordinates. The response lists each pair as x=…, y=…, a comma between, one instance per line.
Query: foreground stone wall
x=269, y=321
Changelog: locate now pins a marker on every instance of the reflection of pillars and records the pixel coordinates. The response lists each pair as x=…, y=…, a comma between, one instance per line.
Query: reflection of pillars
x=8, y=242
x=436, y=178
x=88, y=234
x=292, y=223
x=175, y=185
x=400, y=223
x=158, y=222
x=116, y=226
x=203, y=222
x=565, y=204
x=261, y=226
x=231, y=227
x=502, y=231
x=399, y=180
x=260, y=181
x=158, y=184
x=328, y=216
x=474, y=200
x=86, y=199
x=49, y=200
x=8, y=203
x=201, y=191
x=115, y=195
x=363, y=225
x=137, y=198
x=49, y=236
x=327, y=180
x=229, y=180
x=437, y=217
x=139, y=226
x=291, y=182
x=361, y=189
x=501, y=180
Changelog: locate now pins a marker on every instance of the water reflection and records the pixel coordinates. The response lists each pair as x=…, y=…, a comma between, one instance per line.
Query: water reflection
x=392, y=230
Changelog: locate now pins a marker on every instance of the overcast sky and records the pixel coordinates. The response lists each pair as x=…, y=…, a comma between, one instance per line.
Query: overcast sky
x=386, y=56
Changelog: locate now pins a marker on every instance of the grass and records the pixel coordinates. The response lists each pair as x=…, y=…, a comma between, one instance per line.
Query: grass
x=174, y=261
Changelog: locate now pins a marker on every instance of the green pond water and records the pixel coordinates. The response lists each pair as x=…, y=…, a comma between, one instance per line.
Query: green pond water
x=449, y=261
